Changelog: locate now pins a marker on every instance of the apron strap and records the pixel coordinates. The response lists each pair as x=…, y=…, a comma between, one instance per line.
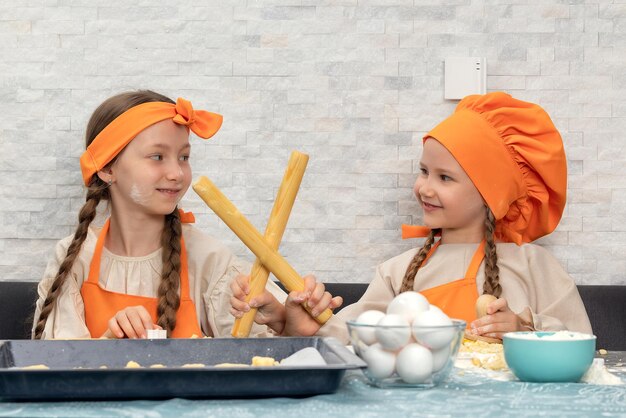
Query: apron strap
x=474, y=265
x=184, y=270
x=430, y=252
x=458, y=297
x=94, y=268
x=477, y=260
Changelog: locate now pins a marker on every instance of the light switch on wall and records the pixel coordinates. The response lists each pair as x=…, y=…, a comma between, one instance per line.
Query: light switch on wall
x=465, y=75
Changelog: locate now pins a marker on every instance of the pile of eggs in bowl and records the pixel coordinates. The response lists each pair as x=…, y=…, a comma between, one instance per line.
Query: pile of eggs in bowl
x=412, y=343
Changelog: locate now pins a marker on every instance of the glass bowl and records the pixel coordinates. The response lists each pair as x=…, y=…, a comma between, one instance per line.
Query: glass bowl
x=543, y=356
x=406, y=356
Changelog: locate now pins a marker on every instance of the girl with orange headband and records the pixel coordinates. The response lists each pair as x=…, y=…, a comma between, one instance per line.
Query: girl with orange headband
x=493, y=178
x=146, y=268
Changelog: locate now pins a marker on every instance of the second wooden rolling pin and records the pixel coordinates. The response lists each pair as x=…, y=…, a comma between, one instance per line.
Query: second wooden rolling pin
x=274, y=230
x=249, y=235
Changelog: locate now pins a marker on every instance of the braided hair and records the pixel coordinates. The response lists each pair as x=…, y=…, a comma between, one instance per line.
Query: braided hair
x=492, y=272
x=409, y=277
x=97, y=191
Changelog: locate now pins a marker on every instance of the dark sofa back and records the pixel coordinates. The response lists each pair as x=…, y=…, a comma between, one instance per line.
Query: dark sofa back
x=606, y=307
x=17, y=307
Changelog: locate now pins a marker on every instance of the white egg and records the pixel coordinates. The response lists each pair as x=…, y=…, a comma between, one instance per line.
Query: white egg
x=393, y=332
x=368, y=334
x=358, y=346
x=440, y=358
x=408, y=304
x=414, y=363
x=380, y=363
x=433, y=338
x=434, y=308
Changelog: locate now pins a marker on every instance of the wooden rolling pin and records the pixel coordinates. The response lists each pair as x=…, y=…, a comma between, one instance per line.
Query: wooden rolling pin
x=248, y=234
x=481, y=310
x=273, y=234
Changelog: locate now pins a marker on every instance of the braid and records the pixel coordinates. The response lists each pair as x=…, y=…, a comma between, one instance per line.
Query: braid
x=96, y=191
x=409, y=277
x=492, y=272
x=169, y=300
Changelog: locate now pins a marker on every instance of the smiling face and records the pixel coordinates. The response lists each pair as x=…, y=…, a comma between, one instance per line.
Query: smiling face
x=448, y=197
x=152, y=173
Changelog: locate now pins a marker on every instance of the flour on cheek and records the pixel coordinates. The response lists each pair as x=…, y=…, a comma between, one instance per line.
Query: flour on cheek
x=138, y=195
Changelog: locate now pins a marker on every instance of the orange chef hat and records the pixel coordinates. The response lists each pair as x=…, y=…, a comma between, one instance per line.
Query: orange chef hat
x=514, y=155
x=117, y=134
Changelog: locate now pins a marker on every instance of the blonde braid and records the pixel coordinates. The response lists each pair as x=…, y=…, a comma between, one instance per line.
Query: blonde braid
x=492, y=271
x=169, y=300
x=409, y=277
x=96, y=192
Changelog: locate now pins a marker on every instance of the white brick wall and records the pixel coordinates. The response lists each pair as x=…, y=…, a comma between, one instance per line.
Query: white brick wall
x=353, y=83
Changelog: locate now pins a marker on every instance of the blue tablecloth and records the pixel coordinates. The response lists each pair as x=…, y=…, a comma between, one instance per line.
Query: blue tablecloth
x=465, y=394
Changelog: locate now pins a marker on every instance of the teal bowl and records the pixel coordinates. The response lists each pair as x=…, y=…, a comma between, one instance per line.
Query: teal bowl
x=543, y=356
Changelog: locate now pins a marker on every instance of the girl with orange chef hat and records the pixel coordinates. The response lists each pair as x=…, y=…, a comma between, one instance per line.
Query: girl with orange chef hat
x=493, y=178
x=147, y=267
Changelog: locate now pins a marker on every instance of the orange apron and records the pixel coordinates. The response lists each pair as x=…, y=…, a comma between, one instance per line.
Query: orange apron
x=101, y=305
x=457, y=298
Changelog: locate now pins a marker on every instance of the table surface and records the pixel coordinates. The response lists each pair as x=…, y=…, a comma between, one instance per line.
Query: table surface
x=465, y=393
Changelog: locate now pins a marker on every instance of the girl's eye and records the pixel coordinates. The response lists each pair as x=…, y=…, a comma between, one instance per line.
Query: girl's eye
x=445, y=178
x=184, y=158
x=156, y=157
x=423, y=171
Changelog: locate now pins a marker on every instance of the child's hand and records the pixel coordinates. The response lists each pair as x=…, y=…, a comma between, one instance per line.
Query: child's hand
x=300, y=322
x=269, y=312
x=131, y=322
x=499, y=320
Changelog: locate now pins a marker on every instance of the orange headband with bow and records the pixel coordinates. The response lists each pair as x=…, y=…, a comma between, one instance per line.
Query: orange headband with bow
x=117, y=134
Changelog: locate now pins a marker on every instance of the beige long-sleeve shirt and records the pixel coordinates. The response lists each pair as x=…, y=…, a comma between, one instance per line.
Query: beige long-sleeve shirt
x=533, y=282
x=212, y=267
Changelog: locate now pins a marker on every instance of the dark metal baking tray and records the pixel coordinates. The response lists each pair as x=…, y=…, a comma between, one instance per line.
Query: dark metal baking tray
x=74, y=368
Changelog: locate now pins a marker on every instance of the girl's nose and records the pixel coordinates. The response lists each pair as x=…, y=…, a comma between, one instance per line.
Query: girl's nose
x=423, y=188
x=174, y=171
